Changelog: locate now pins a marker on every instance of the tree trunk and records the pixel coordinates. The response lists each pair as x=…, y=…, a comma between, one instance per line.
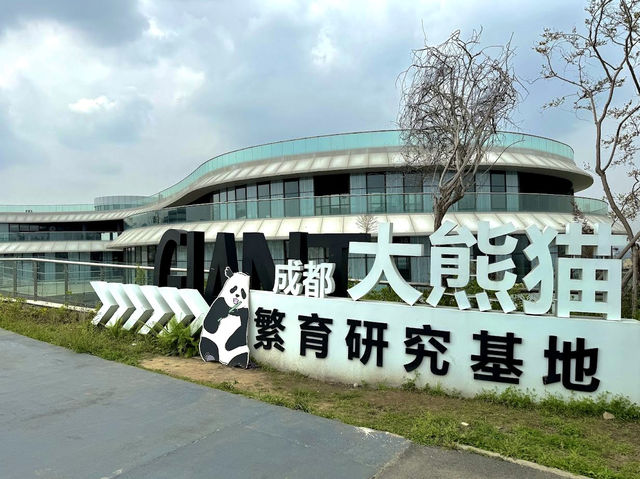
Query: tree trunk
x=439, y=211
x=634, y=283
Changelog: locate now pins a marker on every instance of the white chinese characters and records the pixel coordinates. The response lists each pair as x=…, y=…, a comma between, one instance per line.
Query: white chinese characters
x=383, y=250
x=315, y=280
x=589, y=285
x=581, y=284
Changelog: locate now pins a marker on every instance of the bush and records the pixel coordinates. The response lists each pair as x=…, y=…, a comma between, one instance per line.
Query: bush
x=141, y=276
x=176, y=340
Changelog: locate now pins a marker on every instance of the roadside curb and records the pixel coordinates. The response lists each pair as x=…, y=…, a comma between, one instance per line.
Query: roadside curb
x=521, y=462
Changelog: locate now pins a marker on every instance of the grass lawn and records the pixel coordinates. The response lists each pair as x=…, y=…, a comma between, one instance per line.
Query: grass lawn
x=571, y=436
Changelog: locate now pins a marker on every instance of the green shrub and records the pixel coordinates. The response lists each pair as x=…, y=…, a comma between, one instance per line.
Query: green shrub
x=141, y=276
x=176, y=340
x=621, y=407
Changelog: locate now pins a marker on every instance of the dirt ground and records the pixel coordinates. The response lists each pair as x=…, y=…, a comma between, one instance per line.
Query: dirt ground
x=325, y=396
x=195, y=369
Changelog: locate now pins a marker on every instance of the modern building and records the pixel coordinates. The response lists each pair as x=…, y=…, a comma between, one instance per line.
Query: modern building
x=323, y=184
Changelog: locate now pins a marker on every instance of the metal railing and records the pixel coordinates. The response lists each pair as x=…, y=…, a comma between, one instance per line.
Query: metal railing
x=65, y=282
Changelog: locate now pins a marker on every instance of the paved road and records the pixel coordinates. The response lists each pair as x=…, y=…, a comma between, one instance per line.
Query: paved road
x=65, y=415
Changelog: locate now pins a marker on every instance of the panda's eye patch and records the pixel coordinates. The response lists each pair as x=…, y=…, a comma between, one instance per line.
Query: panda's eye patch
x=233, y=290
x=244, y=294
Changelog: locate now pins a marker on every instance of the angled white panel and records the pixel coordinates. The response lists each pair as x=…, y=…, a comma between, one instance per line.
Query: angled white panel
x=396, y=159
x=358, y=160
x=339, y=162
x=312, y=224
x=287, y=225
x=251, y=226
x=321, y=163
x=272, y=168
x=109, y=305
x=302, y=165
x=162, y=312
x=331, y=224
x=401, y=224
x=143, y=309
x=180, y=309
x=378, y=159
x=125, y=306
x=198, y=306
x=270, y=228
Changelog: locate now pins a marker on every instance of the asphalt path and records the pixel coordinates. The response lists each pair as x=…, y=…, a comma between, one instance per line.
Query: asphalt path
x=65, y=415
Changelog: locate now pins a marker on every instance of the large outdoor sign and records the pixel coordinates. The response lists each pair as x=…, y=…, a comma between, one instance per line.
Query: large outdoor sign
x=468, y=351
x=303, y=317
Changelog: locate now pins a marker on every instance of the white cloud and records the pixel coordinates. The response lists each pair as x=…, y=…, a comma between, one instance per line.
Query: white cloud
x=92, y=105
x=205, y=77
x=324, y=53
x=225, y=39
x=186, y=82
x=10, y=72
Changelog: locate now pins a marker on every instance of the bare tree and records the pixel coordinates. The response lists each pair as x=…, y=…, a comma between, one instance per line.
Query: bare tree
x=597, y=65
x=367, y=223
x=455, y=96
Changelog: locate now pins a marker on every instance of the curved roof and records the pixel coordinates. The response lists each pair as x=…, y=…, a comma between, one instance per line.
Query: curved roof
x=383, y=139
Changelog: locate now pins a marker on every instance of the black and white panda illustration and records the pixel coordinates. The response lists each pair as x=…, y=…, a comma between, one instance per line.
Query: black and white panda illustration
x=224, y=330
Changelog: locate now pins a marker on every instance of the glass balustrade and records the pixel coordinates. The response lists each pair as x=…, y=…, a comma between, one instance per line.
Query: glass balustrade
x=365, y=204
x=45, y=208
x=58, y=236
x=63, y=282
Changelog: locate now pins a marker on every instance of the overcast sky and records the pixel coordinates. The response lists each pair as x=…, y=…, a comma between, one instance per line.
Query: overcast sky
x=128, y=97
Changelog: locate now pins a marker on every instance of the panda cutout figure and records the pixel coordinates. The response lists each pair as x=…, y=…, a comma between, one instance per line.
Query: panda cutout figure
x=224, y=330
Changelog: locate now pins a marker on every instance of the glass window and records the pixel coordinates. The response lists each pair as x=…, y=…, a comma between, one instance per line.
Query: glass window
x=413, y=183
x=241, y=205
x=375, y=191
x=412, y=188
x=277, y=189
x=375, y=183
x=498, y=190
x=291, y=189
x=264, y=200
x=468, y=201
x=498, y=182
x=264, y=190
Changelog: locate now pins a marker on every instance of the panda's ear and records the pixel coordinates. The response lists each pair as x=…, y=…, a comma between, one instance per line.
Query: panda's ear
x=227, y=272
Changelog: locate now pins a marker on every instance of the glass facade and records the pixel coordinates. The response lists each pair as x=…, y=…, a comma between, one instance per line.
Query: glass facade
x=377, y=203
